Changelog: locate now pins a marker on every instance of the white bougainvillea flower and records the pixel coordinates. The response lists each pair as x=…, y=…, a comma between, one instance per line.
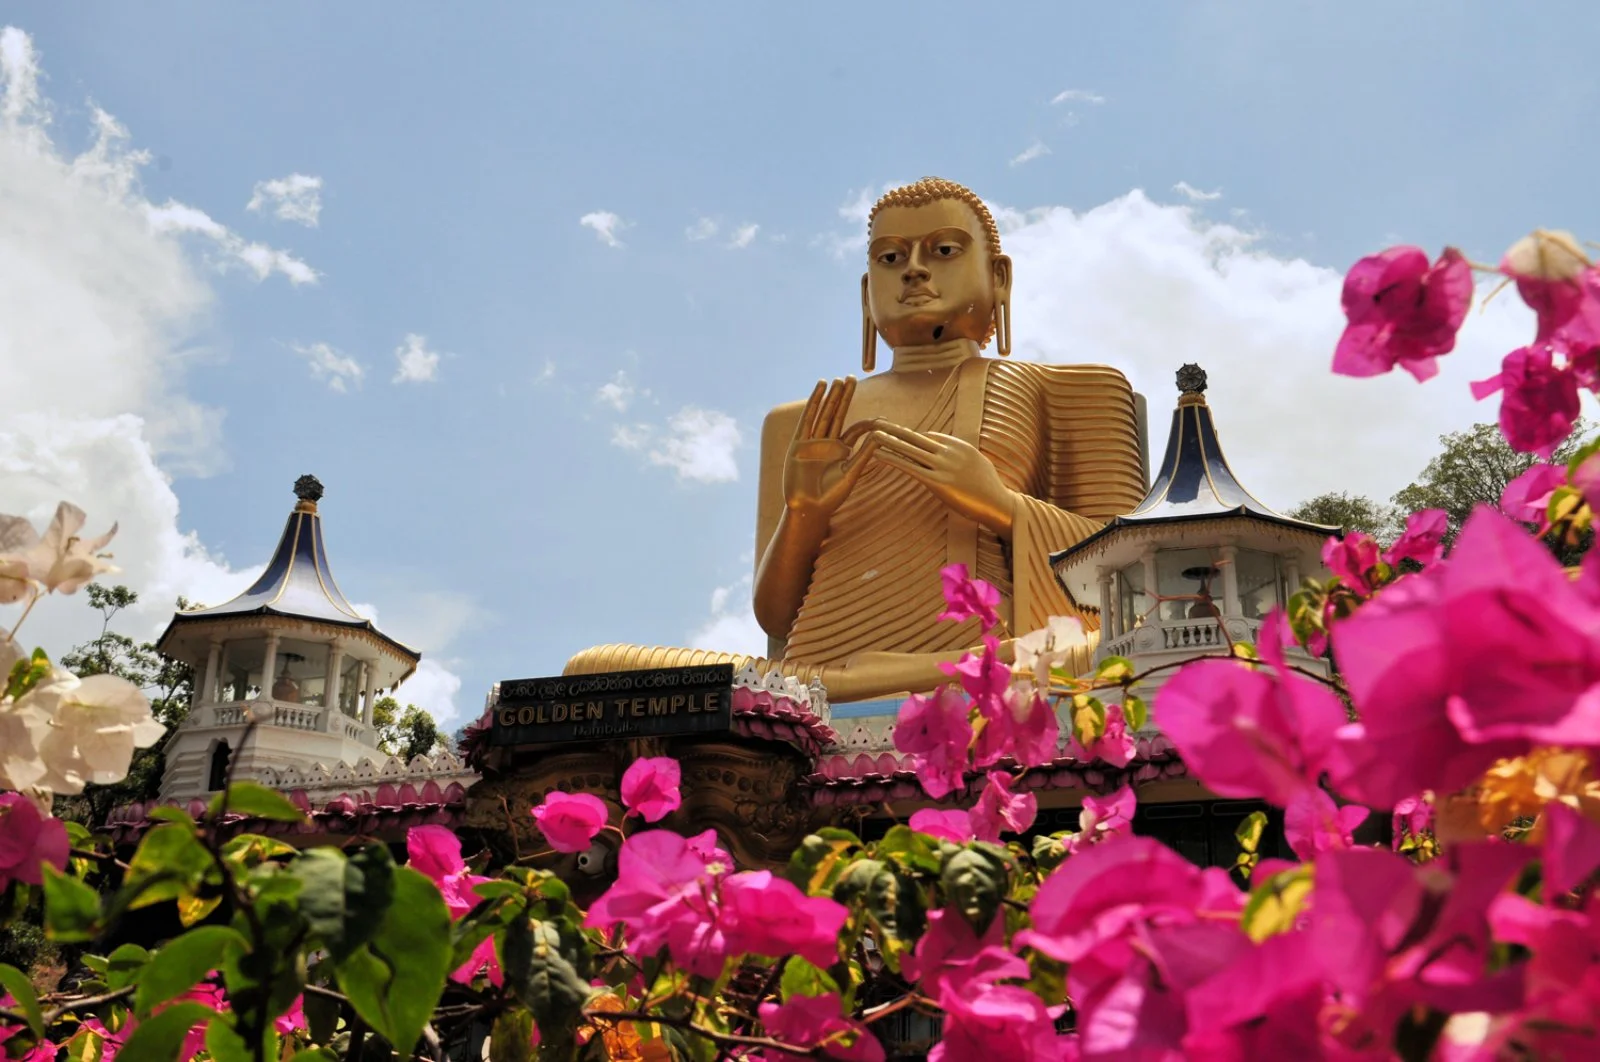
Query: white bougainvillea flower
x=23, y=724
x=1050, y=646
x=94, y=726
x=62, y=561
x=17, y=537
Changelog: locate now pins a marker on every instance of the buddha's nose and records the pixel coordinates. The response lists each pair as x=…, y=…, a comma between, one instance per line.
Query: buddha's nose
x=915, y=272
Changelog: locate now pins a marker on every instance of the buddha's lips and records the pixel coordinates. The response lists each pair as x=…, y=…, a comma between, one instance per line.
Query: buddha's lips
x=918, y=296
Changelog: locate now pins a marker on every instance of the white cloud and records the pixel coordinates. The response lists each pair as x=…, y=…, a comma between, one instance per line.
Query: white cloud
x=546, y=373
x=297, y=197
x=327, y=364
x=1077, y=96
x=99, y=316
x=703, y=229
x=435, y=687
x=263, y=261
x=417, y=364
x=606, y=225
x=731, y=626
x=618, y=393
x=1196, y=195
x=697, y=444
x=856, y=208
x=1035, y=150
x=743, y=236
x=1147, y=287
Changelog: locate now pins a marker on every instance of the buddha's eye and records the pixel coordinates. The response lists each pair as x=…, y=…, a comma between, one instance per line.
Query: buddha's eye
x=948, y=250
x=889, y=257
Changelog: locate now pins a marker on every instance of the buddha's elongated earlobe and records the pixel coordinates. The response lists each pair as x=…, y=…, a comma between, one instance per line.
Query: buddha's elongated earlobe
x=1002, y=327
x=869, y=332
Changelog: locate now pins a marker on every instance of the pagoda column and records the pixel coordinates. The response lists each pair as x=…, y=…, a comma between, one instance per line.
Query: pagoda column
x=1230, y=581
x=208, y=691
x=1105, y=600
x=1291, y=578
x=330, y=686
x=1148, y=561
x=372, y=694
x=269, y=666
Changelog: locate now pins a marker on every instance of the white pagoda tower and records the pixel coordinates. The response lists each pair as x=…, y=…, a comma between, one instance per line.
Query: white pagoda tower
x=1199, y=563
x=290, y=652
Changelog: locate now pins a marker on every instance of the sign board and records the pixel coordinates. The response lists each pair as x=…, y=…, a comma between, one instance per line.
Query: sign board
x=620, y=704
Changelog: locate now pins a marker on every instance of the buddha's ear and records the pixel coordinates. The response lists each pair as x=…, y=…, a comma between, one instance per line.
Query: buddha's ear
x=1001, y=267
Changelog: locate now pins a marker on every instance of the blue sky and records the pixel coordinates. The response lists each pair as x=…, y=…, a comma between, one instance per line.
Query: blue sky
x=1176, y=181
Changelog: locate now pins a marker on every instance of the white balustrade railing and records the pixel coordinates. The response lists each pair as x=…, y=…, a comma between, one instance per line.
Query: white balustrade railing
x=1172, y=636
x=290, y=717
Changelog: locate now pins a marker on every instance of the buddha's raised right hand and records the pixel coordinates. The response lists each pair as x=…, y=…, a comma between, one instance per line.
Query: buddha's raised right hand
x=821, y=467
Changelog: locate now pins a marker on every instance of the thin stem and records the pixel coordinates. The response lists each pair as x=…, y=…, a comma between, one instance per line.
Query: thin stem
x=719, y=1038
x=34, y=600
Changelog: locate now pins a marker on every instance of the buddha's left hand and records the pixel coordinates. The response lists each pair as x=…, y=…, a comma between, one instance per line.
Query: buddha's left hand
x=955, y=471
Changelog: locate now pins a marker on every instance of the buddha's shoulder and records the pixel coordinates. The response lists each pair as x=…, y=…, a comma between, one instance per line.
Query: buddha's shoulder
x=1073, y=377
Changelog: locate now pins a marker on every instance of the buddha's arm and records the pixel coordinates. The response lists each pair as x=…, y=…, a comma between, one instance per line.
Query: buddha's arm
x=787, y=542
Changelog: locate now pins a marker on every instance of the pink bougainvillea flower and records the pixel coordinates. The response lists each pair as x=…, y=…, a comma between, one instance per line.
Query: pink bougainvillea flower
x=1026, y=730
x=810, y=1021
x=1527, y=498
x=1571, y=849
x=665, y=897
x=999, y=809
x=992, y=1021
x=949, y=951
x=953, y=825
x=293, y=1020
x=1389, y=935
x=650, y=787
x=1422, y=540
x=1247, y=733
x=1351, y=558
x=193, y=1041
x=1114, y=746
x=1313, y=823
x=436, y=852
x=1402, y=311
x=1540, y=405
x=29, y=840
x=1412, y=815
x=966, y=597
x=1103, y=818
x=936, y=731
x=570, y=821
x=767, y=915
x=42, y=1051
x=1477, y=658
x=1256, y=1002
x=1561, y=1002
x=1555, y=279
x=984, y=678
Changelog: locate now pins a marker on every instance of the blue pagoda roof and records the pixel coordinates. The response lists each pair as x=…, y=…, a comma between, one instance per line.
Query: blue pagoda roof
x=298, y=582
x=1195, y=481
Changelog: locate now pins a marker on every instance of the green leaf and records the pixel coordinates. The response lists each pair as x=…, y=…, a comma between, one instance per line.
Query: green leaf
x=158, y=1038
x=226, y=1045
x=182, y=963
x=169, y=864
x=1248, y=833
x=511, y=1038
x=974, y=882
x=910, y=849
x=1048, y=852
x=255, y=799
x=1088, y=718
x=1118, y=669
x=170, y=813
x=1276, y=903
x=345, y=899
x=16, y=982
x=322, y=1016
x=28, y=673
x=315, y=1054
x=816, y=865
x=71, y=908
x=800, y=978
x=1135, y=711
x=394, y=980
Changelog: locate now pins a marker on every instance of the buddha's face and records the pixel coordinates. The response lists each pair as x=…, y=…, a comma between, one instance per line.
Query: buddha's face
x=930, y=278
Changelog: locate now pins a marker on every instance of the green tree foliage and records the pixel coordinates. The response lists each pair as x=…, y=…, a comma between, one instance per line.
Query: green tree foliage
x=1353, y=512
x=405, y=732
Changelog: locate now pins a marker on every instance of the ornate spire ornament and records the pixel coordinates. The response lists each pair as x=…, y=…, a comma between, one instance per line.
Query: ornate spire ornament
x=308, y=488
x=1192, y=379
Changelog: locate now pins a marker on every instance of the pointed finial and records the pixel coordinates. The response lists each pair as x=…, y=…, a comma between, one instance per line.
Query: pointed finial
x=308, y=489
x=1192, y=379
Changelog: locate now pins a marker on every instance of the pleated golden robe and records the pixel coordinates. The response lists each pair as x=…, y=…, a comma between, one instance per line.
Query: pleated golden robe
x=1065, y=438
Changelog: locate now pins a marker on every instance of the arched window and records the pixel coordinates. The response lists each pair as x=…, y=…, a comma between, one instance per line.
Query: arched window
x=219, y=766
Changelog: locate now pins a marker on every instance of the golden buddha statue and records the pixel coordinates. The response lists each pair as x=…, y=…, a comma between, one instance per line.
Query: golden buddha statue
x=868, y=489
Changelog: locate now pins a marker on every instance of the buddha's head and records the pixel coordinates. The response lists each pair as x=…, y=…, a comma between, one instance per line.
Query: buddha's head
x=935, y=272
